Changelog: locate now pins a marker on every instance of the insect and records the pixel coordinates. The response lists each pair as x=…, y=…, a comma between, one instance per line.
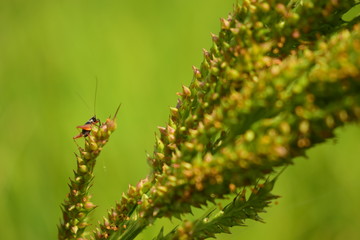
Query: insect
x=86, y=128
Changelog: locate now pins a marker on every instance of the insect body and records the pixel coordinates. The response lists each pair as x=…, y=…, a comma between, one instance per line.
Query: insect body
x=86, y=128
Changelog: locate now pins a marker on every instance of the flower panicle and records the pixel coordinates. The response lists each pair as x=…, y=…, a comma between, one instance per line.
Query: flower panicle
x=256, y=102
x=78, y=204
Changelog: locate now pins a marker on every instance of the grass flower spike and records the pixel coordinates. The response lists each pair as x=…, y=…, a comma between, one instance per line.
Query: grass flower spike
x=78, y=204
x=280, y=77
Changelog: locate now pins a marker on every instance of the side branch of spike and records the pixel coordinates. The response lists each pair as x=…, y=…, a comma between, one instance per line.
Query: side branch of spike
x=77, y=204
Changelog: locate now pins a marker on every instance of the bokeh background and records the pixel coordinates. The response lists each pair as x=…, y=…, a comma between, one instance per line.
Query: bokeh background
x=51, y=53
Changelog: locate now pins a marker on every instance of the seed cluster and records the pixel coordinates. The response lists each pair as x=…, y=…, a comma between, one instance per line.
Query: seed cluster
x=78, y=203
x=278, y=79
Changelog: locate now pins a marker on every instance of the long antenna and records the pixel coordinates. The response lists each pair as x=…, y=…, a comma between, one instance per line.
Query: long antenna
x=96, y=86
x=83, y=100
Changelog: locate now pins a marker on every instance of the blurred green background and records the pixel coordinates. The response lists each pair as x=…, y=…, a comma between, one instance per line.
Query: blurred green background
x=142, y=52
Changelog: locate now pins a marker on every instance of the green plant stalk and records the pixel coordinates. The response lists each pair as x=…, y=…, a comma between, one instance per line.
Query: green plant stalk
x=77, y=205
x=278, y=80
